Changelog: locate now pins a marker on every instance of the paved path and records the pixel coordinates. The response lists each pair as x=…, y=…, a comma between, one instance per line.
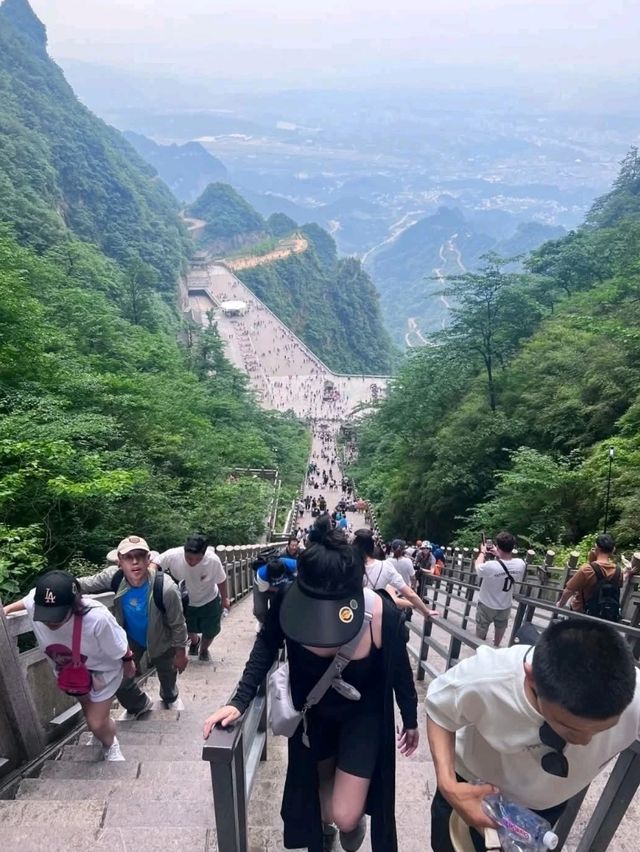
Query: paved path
x=283, y=372
x=287, y=246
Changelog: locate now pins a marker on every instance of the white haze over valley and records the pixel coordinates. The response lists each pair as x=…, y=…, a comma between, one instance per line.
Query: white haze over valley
x=420, y=134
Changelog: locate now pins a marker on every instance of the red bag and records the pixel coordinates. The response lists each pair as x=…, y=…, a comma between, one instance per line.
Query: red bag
x=75, y=677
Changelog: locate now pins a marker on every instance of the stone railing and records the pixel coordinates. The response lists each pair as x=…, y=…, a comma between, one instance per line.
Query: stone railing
x=34, y=713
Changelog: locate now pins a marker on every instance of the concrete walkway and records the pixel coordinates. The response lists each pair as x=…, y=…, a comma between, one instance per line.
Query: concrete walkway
x=283, y=372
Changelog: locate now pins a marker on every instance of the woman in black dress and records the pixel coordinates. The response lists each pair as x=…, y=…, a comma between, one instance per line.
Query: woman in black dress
x=348, y=767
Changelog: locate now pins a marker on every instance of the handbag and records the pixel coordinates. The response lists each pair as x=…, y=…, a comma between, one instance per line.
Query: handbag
x=284, y=717
x=75, y=677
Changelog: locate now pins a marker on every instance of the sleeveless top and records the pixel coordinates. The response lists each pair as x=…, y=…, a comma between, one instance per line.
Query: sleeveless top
x=365, y=675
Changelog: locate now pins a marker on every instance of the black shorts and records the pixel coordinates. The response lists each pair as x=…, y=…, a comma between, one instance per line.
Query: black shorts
x=353, y=741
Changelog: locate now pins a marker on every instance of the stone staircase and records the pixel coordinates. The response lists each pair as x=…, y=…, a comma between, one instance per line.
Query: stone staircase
x=160, y=797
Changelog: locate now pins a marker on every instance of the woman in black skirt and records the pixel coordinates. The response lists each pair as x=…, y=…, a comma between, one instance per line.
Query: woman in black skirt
x=348, y=767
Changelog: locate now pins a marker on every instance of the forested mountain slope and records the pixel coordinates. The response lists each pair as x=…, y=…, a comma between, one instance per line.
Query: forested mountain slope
x=231, y=222
x=108, y=425
x=405, y=269
x=63, y=168
x=330, y=303
x=509, y=422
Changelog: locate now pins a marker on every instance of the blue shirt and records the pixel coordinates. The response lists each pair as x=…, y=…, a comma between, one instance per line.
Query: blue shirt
x=135, y=609
x=343, y=523
x=290, y=569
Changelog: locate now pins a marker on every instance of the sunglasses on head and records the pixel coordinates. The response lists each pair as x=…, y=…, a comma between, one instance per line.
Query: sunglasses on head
x=554, y=762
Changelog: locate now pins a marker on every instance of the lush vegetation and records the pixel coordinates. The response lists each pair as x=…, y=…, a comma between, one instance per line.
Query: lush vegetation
x=230, y=219
x=62, y=168
x=330, y=303
x=116, y=415
x=508, y=423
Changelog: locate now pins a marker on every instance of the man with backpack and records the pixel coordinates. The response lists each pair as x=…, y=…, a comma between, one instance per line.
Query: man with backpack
x=595, y=588
x=200, y=569
x=148, y=605
x=499, y=572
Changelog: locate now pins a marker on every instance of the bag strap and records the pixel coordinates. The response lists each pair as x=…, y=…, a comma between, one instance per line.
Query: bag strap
x=343, y=655
x=601, y=574
x=158, y=590
x=76, y=640
x=507, y=572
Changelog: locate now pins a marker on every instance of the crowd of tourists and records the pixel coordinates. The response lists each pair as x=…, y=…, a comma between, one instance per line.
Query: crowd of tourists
x=283, y=372
x=167, y=607
x=536, y=721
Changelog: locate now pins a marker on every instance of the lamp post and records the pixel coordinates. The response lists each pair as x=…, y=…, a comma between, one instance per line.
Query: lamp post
x=606, y=504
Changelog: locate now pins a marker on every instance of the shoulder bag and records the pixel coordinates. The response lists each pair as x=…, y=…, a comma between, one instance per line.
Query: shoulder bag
x=284, y=717
x=75, y=677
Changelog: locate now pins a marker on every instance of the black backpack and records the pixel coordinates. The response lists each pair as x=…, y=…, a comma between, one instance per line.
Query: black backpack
x=605, y=599
x=266, y=556
x=157, y=589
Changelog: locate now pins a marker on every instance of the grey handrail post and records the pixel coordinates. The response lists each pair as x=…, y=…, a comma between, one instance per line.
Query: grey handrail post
x=613, y=802
x=566, y=821
x=263, y=724
x=424, y=647
x=17, y=700
x=229, y=796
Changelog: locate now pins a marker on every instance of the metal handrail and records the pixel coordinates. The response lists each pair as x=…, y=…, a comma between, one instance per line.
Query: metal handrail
x=233, y=754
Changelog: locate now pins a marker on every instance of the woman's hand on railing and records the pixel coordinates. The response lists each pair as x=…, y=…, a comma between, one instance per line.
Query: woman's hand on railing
x=408, y=741
x=224, y=717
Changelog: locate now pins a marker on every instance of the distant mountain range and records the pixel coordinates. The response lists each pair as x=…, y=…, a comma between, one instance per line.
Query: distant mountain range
x=186, y=169
x=408, y=270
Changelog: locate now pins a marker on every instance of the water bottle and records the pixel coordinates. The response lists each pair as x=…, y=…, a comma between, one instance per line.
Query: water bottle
x=225, y=612
x=519, y=829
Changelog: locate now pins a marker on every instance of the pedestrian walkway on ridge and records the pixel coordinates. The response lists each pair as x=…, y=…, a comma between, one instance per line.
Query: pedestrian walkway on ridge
x=283, y=372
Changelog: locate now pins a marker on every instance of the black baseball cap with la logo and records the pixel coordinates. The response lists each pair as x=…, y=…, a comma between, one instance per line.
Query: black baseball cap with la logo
x=55, y=594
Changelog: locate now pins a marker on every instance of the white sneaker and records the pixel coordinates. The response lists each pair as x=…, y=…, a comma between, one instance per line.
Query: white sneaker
x=113, y=753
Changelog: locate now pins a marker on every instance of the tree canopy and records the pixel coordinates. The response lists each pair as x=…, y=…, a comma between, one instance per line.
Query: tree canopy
x=509, y=421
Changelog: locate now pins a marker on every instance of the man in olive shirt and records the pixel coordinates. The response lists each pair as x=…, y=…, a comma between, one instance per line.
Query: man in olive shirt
x=581, y=587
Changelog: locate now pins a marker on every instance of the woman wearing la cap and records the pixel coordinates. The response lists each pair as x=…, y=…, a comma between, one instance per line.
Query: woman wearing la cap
x=52, y=607
x=349, y=767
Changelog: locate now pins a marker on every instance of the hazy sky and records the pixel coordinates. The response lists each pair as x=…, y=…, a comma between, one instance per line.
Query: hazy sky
x=284, y=38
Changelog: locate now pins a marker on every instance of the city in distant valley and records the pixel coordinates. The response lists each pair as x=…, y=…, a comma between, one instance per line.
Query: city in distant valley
x=420, y=185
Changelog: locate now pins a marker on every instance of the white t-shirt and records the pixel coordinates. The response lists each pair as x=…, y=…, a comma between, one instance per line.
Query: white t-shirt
x=102, y=646
x=493, y=582
x=380, y=574
x=483, y=700
x=404, y=567
x=201, y=580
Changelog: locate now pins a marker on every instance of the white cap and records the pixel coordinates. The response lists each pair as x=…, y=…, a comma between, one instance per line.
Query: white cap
x=550, y=840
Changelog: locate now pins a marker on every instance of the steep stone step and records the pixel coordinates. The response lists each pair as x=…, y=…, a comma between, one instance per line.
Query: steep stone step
x=90, y=771
x=139, y=737
x=189, y=750
x=49, y=813
x=33, y=838
x=197, y=788
x=145, y=813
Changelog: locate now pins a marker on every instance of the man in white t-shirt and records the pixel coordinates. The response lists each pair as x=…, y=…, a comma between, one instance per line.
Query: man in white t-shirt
x=499, y=572
x=402, y=563
x=534, y=722
x=197, y=564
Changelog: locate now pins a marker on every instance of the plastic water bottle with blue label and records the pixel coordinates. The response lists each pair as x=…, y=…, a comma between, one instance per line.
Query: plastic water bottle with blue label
x=519, y=829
